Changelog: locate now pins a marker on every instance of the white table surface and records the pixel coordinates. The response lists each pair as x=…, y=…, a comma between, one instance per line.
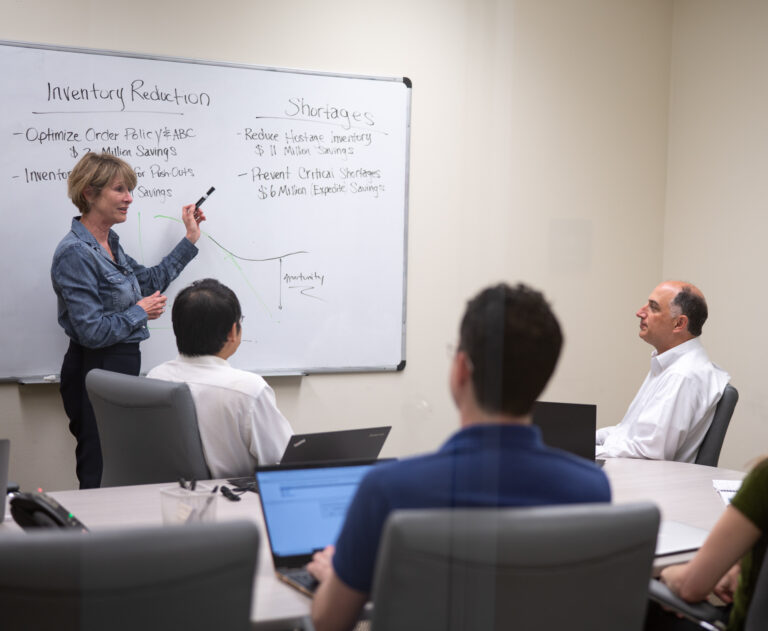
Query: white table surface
x=683, y=492
x=275, y=606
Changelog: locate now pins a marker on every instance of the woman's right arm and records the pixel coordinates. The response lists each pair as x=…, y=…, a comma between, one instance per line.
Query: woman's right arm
x=733, y=535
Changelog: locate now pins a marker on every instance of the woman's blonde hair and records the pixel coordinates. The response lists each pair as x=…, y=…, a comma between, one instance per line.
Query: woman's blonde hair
x=92, y=173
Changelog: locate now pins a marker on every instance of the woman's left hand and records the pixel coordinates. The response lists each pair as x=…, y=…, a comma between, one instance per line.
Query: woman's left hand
x=726, y=586
x=192, y=217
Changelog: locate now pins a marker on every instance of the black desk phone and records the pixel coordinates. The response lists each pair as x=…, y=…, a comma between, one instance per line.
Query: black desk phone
x=38, y=510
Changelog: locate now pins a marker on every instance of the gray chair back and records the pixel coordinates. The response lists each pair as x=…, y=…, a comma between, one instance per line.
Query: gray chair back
x=194, y=577
x=709, y=451
x=147, y=428
x=5, y=455
x=516, y=568
x=758, y=606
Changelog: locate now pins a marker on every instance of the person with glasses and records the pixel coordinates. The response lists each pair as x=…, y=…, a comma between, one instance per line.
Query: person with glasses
x=509, y=344
x=240, y=425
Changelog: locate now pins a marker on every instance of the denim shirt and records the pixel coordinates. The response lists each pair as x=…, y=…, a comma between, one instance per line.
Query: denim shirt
x=97, y=296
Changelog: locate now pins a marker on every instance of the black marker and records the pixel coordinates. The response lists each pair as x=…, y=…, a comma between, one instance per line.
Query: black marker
x=204, y=197
x=229, y=494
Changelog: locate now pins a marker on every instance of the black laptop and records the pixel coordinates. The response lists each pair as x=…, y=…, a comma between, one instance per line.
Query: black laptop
x=347, y=444
x=304, y=508
x=332, y=447
x=568, y=426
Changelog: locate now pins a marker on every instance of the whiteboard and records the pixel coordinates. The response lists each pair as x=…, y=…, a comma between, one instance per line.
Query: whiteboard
x=307, y=225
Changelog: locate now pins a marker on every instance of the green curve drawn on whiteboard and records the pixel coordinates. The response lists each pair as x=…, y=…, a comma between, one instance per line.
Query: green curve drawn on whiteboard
x=233, y=258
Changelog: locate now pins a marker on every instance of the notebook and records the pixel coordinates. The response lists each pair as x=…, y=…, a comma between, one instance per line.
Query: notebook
x=349, y=444
x=727, y=489
x=675, y=537
x=567, y=426
x=304, y=508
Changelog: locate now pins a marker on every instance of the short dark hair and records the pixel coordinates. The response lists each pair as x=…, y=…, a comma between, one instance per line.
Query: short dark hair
x=693, y=305
x=513, y=340
x=203, y=315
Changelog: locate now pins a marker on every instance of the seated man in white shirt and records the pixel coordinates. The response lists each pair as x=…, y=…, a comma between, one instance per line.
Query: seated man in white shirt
x=674, y=407
x=240, y=425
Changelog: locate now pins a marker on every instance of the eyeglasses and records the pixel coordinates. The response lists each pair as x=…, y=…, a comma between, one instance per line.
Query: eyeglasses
x=242, y=317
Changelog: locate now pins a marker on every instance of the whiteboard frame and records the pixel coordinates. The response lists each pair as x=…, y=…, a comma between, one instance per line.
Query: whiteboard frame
x=36, y=379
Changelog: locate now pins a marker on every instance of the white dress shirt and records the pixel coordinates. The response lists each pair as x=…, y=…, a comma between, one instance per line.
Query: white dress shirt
x=240, y=425
x=672, y=410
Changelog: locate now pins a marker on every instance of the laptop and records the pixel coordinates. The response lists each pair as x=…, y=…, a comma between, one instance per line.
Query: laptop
x=336, y=446
x=348, y=444
x=568, y=426
x=304, y=507
x=676, y=537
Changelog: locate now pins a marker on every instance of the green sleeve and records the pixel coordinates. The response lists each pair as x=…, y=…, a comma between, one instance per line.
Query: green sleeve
x=752, y=498
x=752, y=501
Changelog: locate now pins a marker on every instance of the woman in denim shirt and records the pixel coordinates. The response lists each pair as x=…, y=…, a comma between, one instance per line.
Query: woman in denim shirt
x=105, y=298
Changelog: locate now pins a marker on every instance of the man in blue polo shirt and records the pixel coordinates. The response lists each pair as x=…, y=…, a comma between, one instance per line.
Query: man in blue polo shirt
x=509, y=343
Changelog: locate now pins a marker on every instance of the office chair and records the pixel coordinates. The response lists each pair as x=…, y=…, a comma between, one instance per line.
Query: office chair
x=194, y=577
x=709, y=617
x=709, y=451
x=147, y=427
x=582, y=567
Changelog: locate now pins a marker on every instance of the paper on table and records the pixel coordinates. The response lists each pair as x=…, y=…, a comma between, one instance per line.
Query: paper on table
x=727, y=489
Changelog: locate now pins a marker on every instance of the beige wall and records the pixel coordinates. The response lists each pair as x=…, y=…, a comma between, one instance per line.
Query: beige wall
x=717, y=193
x=538, y=153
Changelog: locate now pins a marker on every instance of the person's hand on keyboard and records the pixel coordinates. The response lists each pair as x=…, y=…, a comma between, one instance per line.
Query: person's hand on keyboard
x=320, y=565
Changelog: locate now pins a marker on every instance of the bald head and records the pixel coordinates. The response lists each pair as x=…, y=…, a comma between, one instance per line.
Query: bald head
x=674, y=313
x=691, y=303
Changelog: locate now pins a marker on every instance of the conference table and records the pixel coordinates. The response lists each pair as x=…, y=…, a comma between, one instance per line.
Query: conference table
x=683, y=493
x=275, y=604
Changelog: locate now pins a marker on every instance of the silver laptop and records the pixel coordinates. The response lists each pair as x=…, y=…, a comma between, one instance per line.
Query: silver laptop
x=348, y=444
x=304, y=508
x=676, y=537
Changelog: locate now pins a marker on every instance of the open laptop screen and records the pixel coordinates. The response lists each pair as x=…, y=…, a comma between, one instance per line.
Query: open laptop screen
x=304, y=508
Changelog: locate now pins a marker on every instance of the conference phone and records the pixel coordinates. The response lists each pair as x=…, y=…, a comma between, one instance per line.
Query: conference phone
x=38, y=510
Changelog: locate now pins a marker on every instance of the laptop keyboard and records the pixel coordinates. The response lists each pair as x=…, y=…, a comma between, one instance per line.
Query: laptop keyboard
x=302, y=577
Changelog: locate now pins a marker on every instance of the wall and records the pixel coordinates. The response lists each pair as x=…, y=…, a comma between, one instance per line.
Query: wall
x=716, y=195
x=538, y=153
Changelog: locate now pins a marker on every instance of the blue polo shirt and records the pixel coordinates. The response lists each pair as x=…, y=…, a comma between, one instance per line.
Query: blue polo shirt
x=481, y=466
